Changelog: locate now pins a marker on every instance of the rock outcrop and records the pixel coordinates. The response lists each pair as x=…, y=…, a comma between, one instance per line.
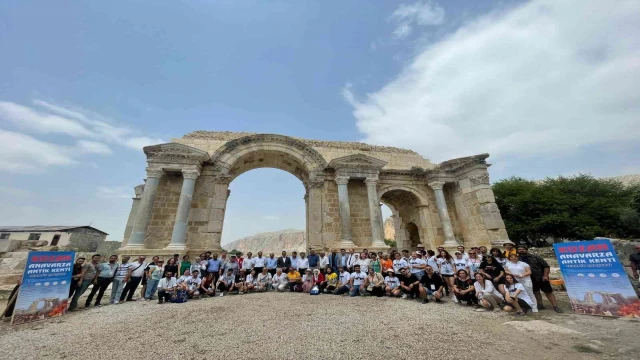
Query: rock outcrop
x=276, y=241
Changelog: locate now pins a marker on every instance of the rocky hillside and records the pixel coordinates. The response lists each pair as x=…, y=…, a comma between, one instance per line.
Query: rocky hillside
x=276, y=241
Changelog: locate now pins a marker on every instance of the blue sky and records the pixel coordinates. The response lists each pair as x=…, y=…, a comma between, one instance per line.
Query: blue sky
x=546, y=87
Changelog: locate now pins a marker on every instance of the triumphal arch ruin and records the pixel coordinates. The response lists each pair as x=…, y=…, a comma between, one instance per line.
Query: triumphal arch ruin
x=181, y=206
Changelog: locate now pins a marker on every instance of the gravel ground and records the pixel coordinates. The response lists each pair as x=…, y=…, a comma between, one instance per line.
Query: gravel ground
x=293, y=326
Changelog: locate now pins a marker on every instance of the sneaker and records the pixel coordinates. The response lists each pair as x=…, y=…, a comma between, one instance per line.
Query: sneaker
x=455, y=299
x=541, y=307
x=116, y=302
x=97, y=305
x=520, y=313
x=404, y=296
x=425, y=301
x=482, y=310
x=557, y=309
x=221, y=295
x=439, y=301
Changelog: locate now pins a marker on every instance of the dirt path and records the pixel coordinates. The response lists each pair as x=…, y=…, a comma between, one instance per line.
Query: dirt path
x=295, y=326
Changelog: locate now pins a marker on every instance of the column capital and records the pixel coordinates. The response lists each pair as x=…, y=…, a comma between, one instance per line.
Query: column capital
x=342, y=180
x=436, y=185
x=371, y=181
x=190, y=174
x=154, y=173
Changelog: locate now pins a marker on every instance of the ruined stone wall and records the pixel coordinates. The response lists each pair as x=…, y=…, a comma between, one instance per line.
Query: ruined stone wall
x=164, y=211
x=456, y=222
x=359, y=206
x=84, y=239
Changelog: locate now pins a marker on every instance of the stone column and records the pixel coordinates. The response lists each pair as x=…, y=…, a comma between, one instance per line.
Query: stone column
x=377, y=240
x=217, y=206
x=449, y=238
x=345, y=212
x=144, y=209
x=131, y=220
x=314, y=215
x=179, y=234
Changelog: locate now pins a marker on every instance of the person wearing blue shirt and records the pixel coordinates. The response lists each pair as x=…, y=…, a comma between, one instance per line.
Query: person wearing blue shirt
x=271, y=264
x=213, y=266
x=314, y=260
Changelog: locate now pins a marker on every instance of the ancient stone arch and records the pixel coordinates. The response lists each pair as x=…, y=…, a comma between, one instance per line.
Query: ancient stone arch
x=181, y=207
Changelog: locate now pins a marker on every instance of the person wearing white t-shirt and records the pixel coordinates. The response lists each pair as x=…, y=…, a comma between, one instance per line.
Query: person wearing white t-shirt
x=446, y=268
x=343, y=281
x=193, y=284
x=364, y=263
x=460, y=262
x=392, y=284
x=464, y=254
x=166, y=287
x=432, y=260
x=473, y=262
x=417, y=266
x=516, y=296
x=279, y=281
x=488, y=297
x=522, y=272
x=357, y=279
x=250, y=282
x=399, y=263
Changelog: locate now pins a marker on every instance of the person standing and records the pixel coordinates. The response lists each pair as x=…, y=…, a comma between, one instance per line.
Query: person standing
x=324, y=263
x=271, y=264
x=154, y=275
x=353, y=260
x=421, y=250
x=213, y=266
x=247, y=264
x=231, y=265
x=314, y=260
x=303, y=263
x=75, y=276
x=185, y=265
x=417, y=265
x=509, y=248
x=120, y=279
x=88, y=276
x=135, y=277
x=106, y=272
x=166, y=287
x=399, y=263
x=294, y=260
x=386, y=263
x=342, y=259
x=143, y=292
x=333, y=262
x=259, y=263
x=460, y=262
x=284, y=262
x=473, y=262
x=539, y=278
x=376, y=263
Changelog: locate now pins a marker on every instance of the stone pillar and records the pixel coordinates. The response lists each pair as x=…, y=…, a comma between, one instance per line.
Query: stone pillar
x=377, y=237
x=218, y=206
x=131, y=220
x=427, y=233
x=144, y=209
x=345, y=212
x=179, y=234
x=449, y=238
x=314, y=215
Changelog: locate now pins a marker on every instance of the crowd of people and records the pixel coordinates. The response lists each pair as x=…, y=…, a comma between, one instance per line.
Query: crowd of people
x=509, y=279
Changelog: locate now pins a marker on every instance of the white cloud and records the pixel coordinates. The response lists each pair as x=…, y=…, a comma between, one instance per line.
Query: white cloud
x=24, y=154
x=549, y=76
x=114, y=192
x=93, y=147
x=420, y=13
x=50, y=118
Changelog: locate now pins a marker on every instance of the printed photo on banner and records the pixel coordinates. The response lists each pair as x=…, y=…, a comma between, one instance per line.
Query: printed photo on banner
x=595, y=279
x=44, y=292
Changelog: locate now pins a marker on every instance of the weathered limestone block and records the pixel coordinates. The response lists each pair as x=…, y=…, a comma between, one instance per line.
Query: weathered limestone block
x=485, y=196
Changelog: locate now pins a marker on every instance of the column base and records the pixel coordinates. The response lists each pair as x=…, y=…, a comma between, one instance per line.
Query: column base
x=132, y=247
x=379, y=244
x=176, y=247
x=451, y=242
x=345, y=243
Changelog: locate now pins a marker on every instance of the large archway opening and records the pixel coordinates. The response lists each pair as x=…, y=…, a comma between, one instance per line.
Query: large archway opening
x=265, y=212
x=405, y=218
x=266, y=209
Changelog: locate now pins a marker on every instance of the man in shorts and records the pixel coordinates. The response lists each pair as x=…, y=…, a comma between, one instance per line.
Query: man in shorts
x=539, y=277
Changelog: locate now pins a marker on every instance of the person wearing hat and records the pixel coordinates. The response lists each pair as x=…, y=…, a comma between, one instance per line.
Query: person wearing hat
x=509, y=248
x=392, y=283
x=226, y=281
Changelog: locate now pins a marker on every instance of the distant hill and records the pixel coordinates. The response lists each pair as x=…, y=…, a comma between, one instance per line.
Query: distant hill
x=275, y=241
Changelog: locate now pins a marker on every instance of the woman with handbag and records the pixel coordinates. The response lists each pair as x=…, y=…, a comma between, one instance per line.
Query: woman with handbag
x=374, y=283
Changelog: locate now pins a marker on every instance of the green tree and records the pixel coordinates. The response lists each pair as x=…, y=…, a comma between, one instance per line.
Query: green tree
x=579, y=207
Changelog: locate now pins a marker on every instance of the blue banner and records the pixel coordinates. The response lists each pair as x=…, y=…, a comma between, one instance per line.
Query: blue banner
x=595, y=279
x=45, y=285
